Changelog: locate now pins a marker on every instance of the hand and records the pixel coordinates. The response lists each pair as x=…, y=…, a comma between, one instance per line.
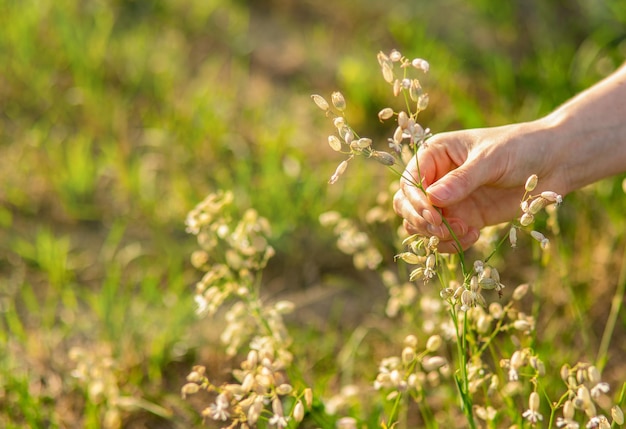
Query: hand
x=475, y=177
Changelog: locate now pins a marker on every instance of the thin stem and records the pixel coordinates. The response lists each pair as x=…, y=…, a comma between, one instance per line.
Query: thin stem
x=616, y=305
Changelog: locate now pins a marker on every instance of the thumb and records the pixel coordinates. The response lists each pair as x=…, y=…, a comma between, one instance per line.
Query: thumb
x=457, y=185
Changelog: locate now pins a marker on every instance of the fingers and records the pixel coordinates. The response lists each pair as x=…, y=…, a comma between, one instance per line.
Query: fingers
x=448, y=244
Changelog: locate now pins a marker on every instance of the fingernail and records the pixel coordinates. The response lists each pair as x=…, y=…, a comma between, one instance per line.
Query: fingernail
x=428, y=216
x=440, y=192
x=437, y=230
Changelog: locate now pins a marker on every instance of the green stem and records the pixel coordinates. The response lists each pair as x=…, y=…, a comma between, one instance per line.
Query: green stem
x=616, y=305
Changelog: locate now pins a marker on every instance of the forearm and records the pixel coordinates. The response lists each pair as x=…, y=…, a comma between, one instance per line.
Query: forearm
x=589, y=133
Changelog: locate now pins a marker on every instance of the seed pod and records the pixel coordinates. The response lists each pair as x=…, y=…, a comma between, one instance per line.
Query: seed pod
x=422, y=102
x=415, y=91
x=338, y=101
x=537, y=204
x=387, y=71
x=298, y=412
x=308, y=397
x=568, y=410
x=408, y=355
x=433, y=343
x=395, y=55
x=520, y=291
x=531, y=183
x=410, y=341
x=553, y=197
x=513, y=236
x=397, y=135
x=339, y=122
x=189, y=389
x=334, y=143
x=421, y=64
x=403, y=120
x=433, y=363
x=617, y=414
x=409, y=258
x=526, y=219
x=382, y=58
x=386, y=113
x=363, y=143
x=397, y=87
x=320, y=102
x=384, y=158
x=338, y=172
x=533, y=401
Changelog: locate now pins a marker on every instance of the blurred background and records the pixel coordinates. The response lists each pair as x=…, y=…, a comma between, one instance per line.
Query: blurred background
x=117, y=117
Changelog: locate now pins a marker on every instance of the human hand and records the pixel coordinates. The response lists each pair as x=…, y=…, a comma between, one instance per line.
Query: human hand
x=473, y=178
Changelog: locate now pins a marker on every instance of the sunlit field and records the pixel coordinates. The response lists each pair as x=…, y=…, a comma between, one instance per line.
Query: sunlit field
x=172, y=254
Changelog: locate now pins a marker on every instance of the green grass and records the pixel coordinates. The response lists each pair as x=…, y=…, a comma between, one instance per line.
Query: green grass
x=118, y=117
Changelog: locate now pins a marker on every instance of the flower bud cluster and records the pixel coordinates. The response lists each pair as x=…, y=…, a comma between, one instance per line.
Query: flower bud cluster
x=233, y=248
x=421, y=251
x=352, y=241
x=347, y=141
x=409, y=372
x=97, y=372
x=587, y=393
x=261, y=389
x=532, y=204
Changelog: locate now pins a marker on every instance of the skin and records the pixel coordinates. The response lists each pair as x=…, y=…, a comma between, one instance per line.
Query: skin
x=475, y=178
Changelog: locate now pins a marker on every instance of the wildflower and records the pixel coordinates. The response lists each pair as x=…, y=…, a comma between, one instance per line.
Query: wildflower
x=385, y=113
x=298, y=412
x=526, y=219
x=552, y=197
x=420, y=64
x=567, y=421
x=341, y=168
x=531, y=183
x=543, y=241
x=338, y=101
x=599, y=387
x=320, y=102
x=384, y=158
x=617, y=414
x=532, y=413
x=334, y=143
x=598, y=422
x=219, y=409
x=346, y=423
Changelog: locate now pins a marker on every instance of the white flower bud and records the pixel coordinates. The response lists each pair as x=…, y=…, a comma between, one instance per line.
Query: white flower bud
x=387, y=71
x=433, y=343
x=422, y=102
x=410, y=341
x=334, y=143
x=520, y=291
x=338, y=172
x=189, y=389
x=513, y=236
x=531, y=183
x=386, y=113
x=403, y=120
x=433, y=363
x=298, y=412
x=420, y=64
x=533, y=401
x=617, y=414
x=338, y=101
x=552, y=197
x=526, y=219
x=537, y=204
x=320, y=102
x=395, y=55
